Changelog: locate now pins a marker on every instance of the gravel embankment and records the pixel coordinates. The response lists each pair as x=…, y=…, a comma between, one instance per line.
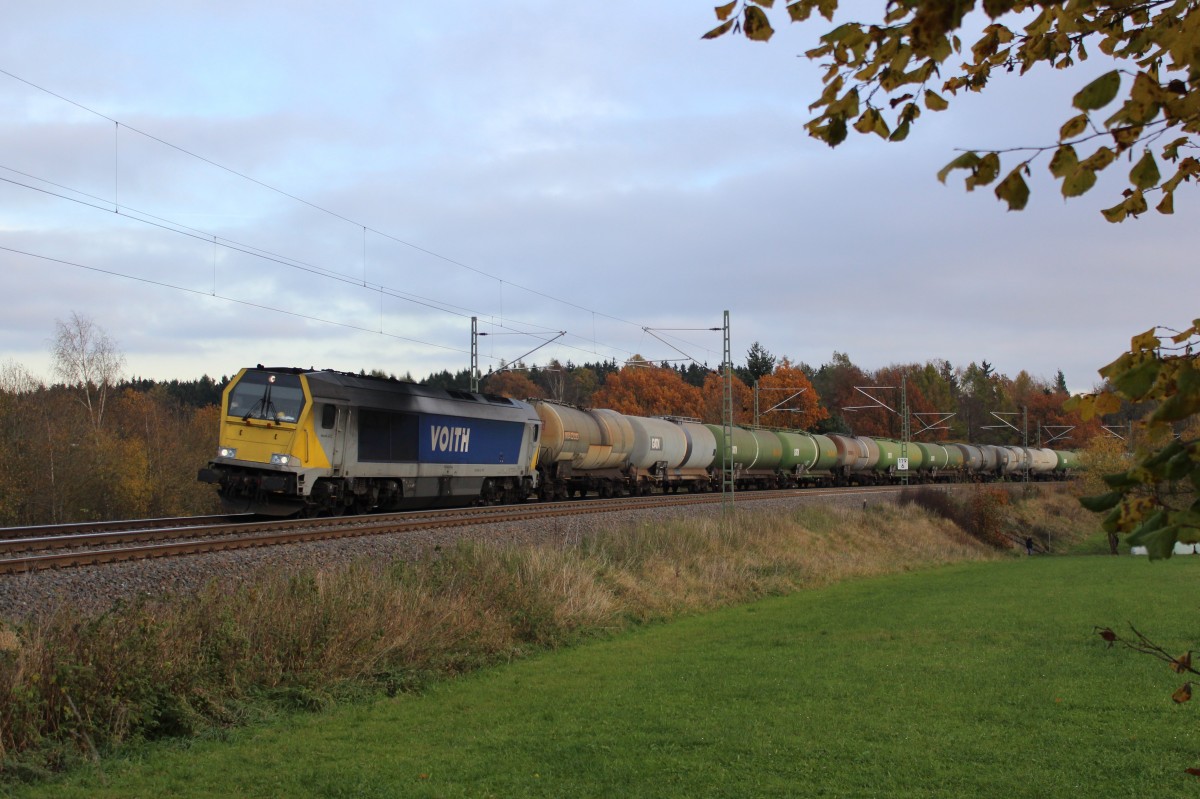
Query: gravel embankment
x=93, y=588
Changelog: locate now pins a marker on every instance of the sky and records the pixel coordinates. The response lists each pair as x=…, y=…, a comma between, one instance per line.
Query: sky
x=219, y=184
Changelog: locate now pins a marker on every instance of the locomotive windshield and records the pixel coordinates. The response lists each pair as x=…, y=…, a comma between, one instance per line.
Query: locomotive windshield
x=268, y=396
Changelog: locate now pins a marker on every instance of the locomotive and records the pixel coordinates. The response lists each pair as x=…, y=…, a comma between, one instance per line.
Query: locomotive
x=329, y=442
x=321, y=442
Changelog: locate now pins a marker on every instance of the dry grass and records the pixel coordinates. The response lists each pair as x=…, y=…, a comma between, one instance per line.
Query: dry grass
x=71, y=687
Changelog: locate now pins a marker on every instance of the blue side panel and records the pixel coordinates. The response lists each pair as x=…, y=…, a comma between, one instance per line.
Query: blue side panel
x=455, y=439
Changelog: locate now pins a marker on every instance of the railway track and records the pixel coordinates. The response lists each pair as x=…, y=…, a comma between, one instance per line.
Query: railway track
x=29, y=549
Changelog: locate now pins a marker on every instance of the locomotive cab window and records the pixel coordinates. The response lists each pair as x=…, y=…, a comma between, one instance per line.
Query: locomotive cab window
x=267, y=396
x=328, y=417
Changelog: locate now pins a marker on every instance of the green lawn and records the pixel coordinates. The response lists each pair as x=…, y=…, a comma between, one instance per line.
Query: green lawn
x=970, y=681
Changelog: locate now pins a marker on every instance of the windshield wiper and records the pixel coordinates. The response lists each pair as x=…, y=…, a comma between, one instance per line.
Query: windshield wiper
x=264, y=402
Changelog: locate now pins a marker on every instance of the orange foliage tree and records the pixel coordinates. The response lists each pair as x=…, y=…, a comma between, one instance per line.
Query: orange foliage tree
x=514, y=385
x=796, y=412
x=641, y=389
x=714, y=400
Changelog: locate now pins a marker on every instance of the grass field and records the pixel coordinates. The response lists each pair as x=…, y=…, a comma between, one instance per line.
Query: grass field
x=982, y=679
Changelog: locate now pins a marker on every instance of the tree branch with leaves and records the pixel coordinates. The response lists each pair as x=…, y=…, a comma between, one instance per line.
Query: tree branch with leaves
x=1154, y=502
x=880, y=77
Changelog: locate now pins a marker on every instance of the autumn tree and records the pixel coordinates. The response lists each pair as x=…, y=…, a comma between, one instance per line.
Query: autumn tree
x=787, y=398
x=938, y=388
x=713, y=404
x=881, y=76
x=642, y=389
x=835, y=384
x=512, y=384
x=86, y=358
x=982, y=394
x=1043, y=405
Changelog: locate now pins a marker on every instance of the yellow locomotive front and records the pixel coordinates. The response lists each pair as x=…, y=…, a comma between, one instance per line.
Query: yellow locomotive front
x=267, y=445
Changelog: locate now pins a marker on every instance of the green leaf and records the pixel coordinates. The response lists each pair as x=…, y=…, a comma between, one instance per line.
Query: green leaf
x=720, y=30
x=1064, y=161
x=1120, y=480
x=1179, y=467
x=985, y=171
x=1112, y=522
x=1171, y=151
x=799, y=12
x=723, y=12
x=1078, y=182
x=756, y=26
x=1099, y=159
x=1102, y=502
x=1145, y=172
x=866, y=122
x=1115, y=214
x=1165, y=454
x=1177, y=407
x=964, y=161
x=1136, y=382
x=1073, y=127
x=1013, y=190
x=1156, y=536
x=1099, y=92
x=837, y=131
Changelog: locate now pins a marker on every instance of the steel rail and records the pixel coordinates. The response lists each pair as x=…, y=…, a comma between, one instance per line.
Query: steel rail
x=275, y=532
x=69, y=528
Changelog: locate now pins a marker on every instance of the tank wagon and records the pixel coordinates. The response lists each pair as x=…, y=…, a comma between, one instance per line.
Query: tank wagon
x=608, y=453
x=325, y=443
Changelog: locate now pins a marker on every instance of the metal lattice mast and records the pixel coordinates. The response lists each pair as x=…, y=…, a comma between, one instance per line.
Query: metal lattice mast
x=1025, y=443
x=727, y=422
x=905, y=427
x=474, y=354
x=756, y=403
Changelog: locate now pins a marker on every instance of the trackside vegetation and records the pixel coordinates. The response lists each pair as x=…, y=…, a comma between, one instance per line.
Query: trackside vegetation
x=979, y=679
x=75, y=688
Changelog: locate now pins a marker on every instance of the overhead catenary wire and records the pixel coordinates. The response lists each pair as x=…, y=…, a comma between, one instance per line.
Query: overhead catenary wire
x=259, y=306
x=310, y=204
x=144, y=217
x=170, y=225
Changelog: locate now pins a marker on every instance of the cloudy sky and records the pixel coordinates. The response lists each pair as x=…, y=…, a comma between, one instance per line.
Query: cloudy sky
x=218, y=184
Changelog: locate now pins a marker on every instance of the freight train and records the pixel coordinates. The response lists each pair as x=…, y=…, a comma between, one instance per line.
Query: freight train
x=296, y=441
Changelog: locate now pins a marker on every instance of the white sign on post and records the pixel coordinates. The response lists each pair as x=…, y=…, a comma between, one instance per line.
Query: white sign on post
x=902, y=464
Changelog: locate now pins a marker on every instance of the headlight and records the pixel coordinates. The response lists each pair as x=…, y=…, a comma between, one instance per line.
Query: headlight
x=279, y=459
x=226, y=452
